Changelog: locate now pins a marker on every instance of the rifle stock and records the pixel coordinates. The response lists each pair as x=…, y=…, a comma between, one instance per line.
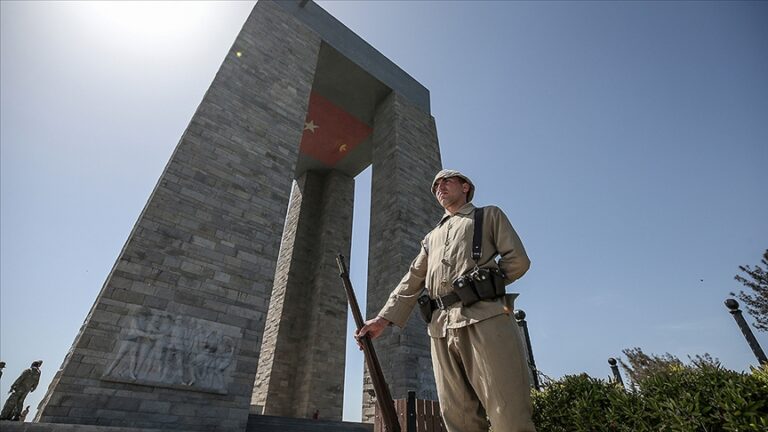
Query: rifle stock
x=383, y=396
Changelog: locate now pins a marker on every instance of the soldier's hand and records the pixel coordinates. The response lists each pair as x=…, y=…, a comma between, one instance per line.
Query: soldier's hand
x=372, y=328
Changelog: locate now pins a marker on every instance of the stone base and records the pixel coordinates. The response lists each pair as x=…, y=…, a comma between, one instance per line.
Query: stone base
x=12, y=426
x=256, y=423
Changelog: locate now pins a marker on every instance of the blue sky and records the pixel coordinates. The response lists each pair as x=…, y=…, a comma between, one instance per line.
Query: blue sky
x=627, y=142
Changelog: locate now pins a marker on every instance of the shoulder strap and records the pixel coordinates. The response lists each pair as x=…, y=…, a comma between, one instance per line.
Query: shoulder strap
x=477, y=237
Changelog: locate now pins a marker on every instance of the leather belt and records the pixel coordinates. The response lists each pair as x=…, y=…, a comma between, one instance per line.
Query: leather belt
x=445, y=301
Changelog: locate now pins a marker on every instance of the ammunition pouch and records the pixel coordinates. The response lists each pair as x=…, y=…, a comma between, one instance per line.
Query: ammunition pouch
x=470, y=288
x=479, y=284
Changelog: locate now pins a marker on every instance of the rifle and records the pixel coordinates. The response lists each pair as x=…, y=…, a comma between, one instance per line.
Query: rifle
x=383, y=396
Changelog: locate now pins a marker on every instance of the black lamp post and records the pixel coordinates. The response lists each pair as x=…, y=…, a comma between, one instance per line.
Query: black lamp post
x=520, y=317
x=733, y=305
x=615, y=370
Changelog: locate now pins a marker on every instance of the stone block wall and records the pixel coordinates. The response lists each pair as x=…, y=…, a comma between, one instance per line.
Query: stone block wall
x=406, y=157
x=302, y=364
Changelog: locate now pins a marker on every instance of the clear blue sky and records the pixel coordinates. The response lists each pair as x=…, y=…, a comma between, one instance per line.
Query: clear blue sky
x=627, y=142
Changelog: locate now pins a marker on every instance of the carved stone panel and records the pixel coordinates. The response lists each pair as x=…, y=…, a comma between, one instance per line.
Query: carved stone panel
x=160, y=349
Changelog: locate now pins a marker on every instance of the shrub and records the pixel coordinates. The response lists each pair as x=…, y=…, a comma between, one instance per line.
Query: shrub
x=703, y=397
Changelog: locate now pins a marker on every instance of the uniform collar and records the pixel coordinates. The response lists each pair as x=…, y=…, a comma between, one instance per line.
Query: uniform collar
x=466, y=209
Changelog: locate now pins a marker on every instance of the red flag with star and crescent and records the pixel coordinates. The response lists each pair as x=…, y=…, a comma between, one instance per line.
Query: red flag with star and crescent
x=330, y=133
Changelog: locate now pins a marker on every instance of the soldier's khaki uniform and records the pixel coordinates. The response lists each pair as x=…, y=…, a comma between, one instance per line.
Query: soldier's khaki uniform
x=477, y=357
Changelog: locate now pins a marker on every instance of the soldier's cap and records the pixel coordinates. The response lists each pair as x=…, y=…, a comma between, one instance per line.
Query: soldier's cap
x=37, y=363
x=453, y=173
x=2, y=364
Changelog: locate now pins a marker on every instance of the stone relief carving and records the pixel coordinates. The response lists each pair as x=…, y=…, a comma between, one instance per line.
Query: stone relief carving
x=157, y=348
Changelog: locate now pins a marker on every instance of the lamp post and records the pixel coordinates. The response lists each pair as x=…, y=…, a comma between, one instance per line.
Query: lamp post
x=615, y=370
x=733, y=305
x=520, y=317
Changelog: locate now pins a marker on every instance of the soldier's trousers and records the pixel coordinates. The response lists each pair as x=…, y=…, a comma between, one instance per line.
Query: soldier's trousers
x=480, y=369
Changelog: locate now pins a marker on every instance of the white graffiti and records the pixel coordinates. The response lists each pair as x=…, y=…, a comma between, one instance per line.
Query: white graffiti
x=157, y=347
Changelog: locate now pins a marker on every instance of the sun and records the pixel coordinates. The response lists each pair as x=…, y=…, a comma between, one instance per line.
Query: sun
x=146, y=20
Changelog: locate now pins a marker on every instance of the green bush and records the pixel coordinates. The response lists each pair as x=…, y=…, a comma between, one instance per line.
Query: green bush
x=704, y=398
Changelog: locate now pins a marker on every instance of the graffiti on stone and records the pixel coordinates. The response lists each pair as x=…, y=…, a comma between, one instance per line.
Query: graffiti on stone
x=160, y=349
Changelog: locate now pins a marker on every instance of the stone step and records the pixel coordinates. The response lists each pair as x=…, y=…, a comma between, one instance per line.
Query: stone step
x=15, y=426
x=264, y=423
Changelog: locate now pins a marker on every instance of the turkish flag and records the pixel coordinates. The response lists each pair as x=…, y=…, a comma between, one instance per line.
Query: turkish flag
x=330, y=133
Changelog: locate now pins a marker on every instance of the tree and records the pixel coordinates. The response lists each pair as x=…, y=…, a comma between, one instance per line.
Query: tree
x=757, y=280
x=642, y=365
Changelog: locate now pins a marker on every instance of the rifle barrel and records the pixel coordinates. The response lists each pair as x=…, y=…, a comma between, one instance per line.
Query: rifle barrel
x=383, y=396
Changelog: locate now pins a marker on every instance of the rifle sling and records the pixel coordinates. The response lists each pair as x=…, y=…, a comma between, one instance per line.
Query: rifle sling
x=477, y=237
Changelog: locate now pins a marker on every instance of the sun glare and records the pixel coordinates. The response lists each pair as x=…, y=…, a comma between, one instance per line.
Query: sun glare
x=147, y=19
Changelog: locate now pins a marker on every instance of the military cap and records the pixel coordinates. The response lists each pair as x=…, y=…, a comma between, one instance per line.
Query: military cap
x=453, y=173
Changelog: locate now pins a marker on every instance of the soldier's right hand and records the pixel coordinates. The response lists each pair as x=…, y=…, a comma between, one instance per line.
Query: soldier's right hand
x=372, y=328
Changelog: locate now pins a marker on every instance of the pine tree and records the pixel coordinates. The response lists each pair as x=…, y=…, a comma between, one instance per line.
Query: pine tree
x=757, y=303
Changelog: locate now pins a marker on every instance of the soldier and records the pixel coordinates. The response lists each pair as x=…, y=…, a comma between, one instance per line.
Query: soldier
x=24, y=384
x=478, y=361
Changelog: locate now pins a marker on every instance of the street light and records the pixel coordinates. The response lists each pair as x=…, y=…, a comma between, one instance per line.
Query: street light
x=733, y=305
x=520, y=317
x=615, y=370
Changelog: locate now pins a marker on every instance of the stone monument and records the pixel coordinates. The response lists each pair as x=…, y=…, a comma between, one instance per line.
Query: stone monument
x=225, y=298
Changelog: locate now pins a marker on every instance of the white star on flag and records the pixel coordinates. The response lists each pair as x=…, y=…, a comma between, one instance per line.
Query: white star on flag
x=311, y=126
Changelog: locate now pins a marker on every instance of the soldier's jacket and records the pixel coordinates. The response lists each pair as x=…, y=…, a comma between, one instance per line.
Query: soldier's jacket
x=446, y=253
x=27, y=381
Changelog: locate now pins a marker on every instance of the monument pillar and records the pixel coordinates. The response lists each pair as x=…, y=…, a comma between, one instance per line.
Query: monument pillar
x=173, y=338
x=405, y=158
x=301, y=369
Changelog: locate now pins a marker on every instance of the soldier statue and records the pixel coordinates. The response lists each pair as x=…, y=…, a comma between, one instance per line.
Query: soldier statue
x=26, y=383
